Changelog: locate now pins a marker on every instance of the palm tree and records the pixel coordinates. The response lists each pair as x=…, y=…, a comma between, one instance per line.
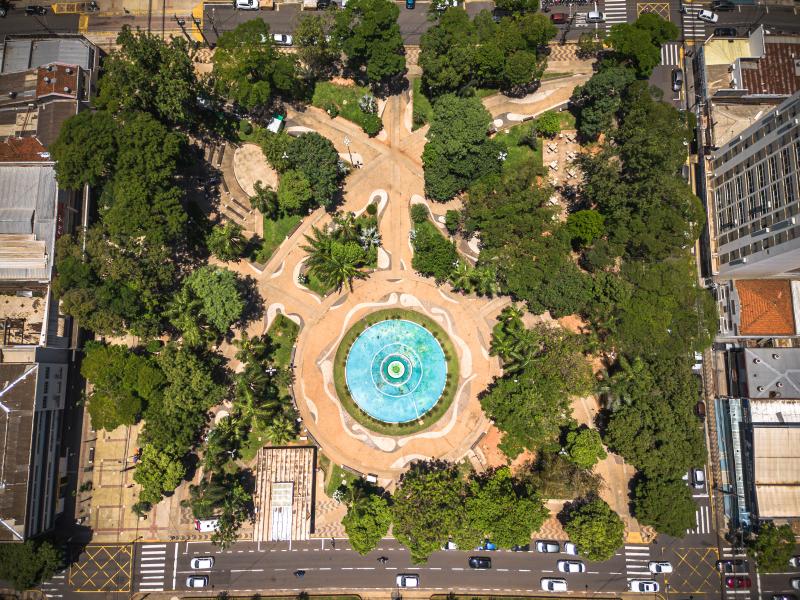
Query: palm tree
x=251, y=349
x=345, y=227
x=370, y=238
x=184, y=313
x=484, y=280
x=283, y=377
x=332, y=261
x=461, y=277
x=282, y=430
x=226, y=242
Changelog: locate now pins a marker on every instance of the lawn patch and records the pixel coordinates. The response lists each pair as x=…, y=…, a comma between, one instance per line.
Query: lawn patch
x=344, y=101
x=520, y=154
x=274, y=233
x=423, y=110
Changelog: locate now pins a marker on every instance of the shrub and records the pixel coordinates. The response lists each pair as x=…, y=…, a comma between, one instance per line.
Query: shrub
x=153, y=346
x=368, y=104
x=332, y=109
x=452, y=221
x=548, y=124
x=245, y=127
x=419, y=213
x=372, y=209
x=371, y=124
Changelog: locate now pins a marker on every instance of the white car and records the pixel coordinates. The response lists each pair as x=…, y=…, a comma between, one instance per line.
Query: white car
x=595, y=16
x=548, y=546
x=795, y=561
x=660, y=566
x=795, y=583
x=197, y=581
x=571, y=566
x=407, y=581
x=646, y=586
x=202, y=562
x=247, y=4
x=553, y=584
x=707, y=16
x=282, y=39
x=570, y=548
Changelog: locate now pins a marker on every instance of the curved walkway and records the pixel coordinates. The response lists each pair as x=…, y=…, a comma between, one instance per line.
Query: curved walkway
x=392, y=172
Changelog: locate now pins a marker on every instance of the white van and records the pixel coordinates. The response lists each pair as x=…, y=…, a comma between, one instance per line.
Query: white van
x=206, y=525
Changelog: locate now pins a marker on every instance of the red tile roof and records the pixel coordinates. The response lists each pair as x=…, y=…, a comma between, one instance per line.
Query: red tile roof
x=766, y=307
x=775, y=72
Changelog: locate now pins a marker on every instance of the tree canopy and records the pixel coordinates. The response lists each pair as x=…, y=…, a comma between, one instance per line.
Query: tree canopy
x=584, y=447
x=27, y=564
x=666, y=505
x=772, y=547
x=458, y=150
x=596, y=529
x=368, y=517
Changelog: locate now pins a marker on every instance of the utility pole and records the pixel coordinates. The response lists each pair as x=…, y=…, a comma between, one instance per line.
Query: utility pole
x=182, y=24
x=199, y=25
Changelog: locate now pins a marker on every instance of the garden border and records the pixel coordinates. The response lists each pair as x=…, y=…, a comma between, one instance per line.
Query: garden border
x=445, y=400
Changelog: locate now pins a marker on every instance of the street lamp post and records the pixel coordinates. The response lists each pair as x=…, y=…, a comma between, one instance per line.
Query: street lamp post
x=347, y=143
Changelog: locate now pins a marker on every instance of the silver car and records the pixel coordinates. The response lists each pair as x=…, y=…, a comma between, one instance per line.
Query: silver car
x=548, y=546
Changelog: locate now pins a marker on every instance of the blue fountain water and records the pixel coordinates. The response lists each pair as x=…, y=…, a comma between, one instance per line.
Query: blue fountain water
x=396, y=371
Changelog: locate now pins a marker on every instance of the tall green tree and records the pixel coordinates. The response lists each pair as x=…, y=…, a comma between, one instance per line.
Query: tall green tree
x=584, y=447
x=86, y=149
x=158, y=473
x=368, y=517
x=665, y=505
x=596, y=529
x=458, y=150
x=316, y=48
x=336, y=262
x=370, y=38
x=147, y=73
x=772, y=547
x=226, y=241
x=27, y=564
x=427, y=507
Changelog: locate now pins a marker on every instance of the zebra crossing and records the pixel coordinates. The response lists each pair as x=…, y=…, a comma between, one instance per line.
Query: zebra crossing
x=152, y=567
x=693, y=28
x=616, y=11
x=702, y=518
x=671, y=54
x=637, y=559
x=54, y=587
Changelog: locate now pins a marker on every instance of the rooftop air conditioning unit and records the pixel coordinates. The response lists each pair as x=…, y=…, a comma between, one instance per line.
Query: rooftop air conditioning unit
x=760, y=388
x=66, y=89
x=757, y=361
x=779, y=384
x=47, y=80
x=69, y=71
x=776, y=356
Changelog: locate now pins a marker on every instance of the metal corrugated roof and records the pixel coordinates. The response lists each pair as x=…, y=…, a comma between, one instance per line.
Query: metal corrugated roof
x=21, y=55
x=17, y=56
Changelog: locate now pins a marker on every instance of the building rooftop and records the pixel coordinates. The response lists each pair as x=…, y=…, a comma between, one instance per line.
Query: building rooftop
x=774, y=73
x=766, y=307
x=776, y=470
x=21, y=54
x=28, y=205
x=772, y=373
x=284, y=493
x=17, y=403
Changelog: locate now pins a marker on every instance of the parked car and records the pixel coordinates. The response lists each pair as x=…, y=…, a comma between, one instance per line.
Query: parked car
x=795, y=561
x=559, y=18
x=660, y=566
x=784, y=597
x=729, y=565
x=206, y=525
x=571, y=566
x=407, y=581
x=450, y=545
x=795, y=583
x=725, y=32
x=677, y=80
x=246, y=4
x=722, y=5
x=480, y=562
x=498, y=14
x=707, y=16
x=202, y=562
x=36, y=9
x=698, y=479
x=487, y=545
x=411, y=4
x=525, y=548
x=570, y=548
x=283, y=39
x=553, y=584
x=646, y=586
x=739, y=581
x=197, y=581
x=595, y=16
x=548, y=546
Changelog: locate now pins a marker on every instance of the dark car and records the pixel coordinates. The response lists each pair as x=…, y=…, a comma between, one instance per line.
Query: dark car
x=784, y=597
x=722, y=5
x=411, y=4
x=323, y=4
x=559, y=18
x=36, y=9
x=498, y=14
x=700, y=409
x=725, y=32
x=740, y=581
x=525, y=548
x=480, y=562
x=729, y=565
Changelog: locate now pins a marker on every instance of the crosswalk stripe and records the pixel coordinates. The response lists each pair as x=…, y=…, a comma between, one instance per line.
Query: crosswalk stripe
x=159, y=577
x=150, y=552
x=154, y=546
x=670, y=54
x=161, y=570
